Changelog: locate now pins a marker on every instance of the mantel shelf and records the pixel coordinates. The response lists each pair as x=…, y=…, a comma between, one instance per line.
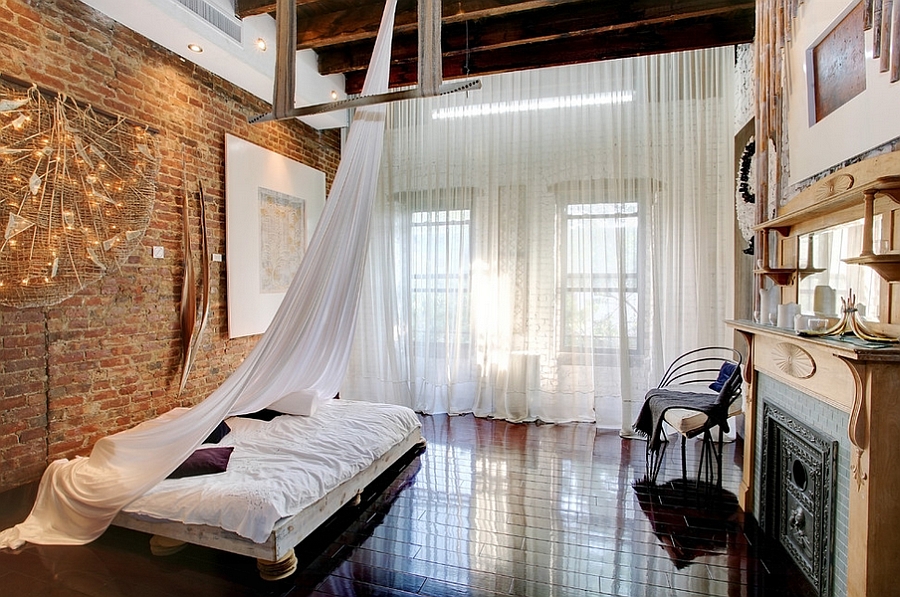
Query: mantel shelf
x=809, y=271
x=887, y=186
x=780, y=276
x=886, y=265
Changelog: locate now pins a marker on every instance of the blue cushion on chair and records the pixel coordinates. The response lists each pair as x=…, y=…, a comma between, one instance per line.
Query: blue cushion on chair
x=725, y=372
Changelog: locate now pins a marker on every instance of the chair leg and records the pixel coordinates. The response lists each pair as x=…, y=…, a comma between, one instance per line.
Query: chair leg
x=683, y=458
x=711, y=459
x=654, y=459
x=719, y=461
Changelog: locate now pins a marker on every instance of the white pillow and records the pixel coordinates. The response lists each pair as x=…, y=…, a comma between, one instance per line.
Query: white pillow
x=302, y=403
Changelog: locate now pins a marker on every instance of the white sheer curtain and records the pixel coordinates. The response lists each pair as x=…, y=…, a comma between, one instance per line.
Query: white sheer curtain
x=543, y=247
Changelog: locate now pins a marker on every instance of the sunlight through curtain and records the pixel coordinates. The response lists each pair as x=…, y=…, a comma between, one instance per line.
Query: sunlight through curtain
x=542, y=247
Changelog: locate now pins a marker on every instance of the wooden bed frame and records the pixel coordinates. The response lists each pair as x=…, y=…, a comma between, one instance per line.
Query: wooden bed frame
x=275, y=557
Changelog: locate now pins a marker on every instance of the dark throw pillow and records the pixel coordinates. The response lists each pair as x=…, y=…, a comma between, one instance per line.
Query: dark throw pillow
x=218, y=433
x=204, y=461
x=725, y=372
x=262, y=415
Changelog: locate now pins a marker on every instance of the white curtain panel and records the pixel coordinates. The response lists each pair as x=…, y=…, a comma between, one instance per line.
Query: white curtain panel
x=541, y=248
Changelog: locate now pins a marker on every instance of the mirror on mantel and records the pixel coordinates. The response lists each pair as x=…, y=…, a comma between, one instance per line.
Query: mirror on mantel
x=827, y=250
x=841, y=233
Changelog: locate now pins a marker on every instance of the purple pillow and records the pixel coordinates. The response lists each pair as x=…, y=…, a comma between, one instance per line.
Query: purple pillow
x=204, y=461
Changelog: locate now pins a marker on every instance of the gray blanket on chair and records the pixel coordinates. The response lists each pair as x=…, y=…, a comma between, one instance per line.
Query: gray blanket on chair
x=658, y=401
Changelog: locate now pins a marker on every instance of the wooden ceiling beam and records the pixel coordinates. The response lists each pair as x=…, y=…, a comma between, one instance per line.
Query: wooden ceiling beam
x=576, y=21
x=356, y=24
x=249, y=8
x=452, y=10
x=682, y=35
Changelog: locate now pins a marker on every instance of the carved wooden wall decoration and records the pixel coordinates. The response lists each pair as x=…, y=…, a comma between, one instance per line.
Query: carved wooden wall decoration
x=883, y=17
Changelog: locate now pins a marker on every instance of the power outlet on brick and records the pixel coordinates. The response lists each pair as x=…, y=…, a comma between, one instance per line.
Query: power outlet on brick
x=159, y=252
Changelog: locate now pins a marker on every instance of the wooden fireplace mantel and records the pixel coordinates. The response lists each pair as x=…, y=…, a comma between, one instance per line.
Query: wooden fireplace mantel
x=863, y=380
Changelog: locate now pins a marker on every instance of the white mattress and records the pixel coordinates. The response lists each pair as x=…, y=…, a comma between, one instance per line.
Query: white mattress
x=279, y=467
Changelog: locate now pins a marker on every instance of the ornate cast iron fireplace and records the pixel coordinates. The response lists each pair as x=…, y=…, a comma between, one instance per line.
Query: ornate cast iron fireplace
x=798, y=499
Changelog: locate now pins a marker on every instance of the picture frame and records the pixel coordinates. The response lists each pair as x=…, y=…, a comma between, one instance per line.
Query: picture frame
x=272, y=205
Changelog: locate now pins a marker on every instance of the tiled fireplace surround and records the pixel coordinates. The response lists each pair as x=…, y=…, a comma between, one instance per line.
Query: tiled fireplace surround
x=830, y=422
x=853, y=391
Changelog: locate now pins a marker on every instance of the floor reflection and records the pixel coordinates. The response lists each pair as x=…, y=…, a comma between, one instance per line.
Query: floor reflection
x=690, y=518
x=489, y=509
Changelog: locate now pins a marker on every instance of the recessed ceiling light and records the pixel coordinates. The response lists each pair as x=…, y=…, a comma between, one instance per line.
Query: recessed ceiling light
x=261, y=44
x=333, y=94
x=195, y=48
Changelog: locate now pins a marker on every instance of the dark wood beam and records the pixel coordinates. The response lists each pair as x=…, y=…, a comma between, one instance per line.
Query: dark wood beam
x=361, y=22
x=349, y=16
x=583, y=19
x=703, y=32
x=249, y=8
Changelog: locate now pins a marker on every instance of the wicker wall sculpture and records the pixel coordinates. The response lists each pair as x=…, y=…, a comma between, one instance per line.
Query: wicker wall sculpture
x=76, y=192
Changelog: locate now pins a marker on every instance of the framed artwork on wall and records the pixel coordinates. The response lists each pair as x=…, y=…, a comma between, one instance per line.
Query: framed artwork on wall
x=272, y=205
x=839, y=103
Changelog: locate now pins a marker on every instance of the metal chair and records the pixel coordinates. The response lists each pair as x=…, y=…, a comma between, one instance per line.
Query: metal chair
x=698, y=393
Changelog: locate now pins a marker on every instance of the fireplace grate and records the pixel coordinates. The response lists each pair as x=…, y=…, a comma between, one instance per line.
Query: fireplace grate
x=798, y=499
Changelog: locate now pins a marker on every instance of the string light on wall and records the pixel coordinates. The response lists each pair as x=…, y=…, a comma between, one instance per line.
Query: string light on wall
x=76, y=193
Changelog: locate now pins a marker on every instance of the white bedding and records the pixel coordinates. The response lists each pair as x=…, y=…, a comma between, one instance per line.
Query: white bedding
x=279, y=467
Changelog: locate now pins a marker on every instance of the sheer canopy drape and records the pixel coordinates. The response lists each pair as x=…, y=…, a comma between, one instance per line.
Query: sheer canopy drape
x=542, y=247
x=301, y=359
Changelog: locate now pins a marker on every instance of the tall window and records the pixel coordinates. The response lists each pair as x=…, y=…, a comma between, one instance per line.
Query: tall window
x=601, y=296
x=439, y=277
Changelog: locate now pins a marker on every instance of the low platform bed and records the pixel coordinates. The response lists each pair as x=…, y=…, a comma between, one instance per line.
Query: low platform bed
x=286, y=477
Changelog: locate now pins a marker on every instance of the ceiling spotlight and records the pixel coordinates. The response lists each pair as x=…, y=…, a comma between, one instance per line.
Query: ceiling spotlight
x=333, y=94
x=195, y=48
x=261, y=44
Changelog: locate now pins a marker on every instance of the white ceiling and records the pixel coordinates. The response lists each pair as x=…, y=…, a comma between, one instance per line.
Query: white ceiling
x=176, y=23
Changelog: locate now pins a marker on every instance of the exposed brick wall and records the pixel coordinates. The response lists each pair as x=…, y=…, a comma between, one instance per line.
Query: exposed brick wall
x=109, y=357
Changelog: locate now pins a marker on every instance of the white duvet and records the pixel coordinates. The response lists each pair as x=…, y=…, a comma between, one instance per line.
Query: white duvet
x=279, y=467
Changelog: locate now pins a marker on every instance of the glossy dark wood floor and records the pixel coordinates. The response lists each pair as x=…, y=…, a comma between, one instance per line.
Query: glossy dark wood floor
x=489, y=509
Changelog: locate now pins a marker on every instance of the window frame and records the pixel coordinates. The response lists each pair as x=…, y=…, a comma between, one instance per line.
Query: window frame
x=638, y=192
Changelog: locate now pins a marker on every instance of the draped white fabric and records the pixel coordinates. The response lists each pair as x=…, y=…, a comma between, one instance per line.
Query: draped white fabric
x=543, y=247
x=305, y=351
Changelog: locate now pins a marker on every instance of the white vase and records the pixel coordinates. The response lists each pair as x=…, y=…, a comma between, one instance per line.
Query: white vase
x=824, y=301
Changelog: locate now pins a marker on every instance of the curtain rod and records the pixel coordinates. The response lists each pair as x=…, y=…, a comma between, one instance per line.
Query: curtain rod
x=25, y=85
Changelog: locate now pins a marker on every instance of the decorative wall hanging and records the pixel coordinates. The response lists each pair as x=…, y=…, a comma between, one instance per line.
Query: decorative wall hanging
x=191, y=328
x=76, y=192
x=745, y=199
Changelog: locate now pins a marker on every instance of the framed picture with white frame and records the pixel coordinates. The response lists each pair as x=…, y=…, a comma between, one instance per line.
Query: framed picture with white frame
x=272, y=205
